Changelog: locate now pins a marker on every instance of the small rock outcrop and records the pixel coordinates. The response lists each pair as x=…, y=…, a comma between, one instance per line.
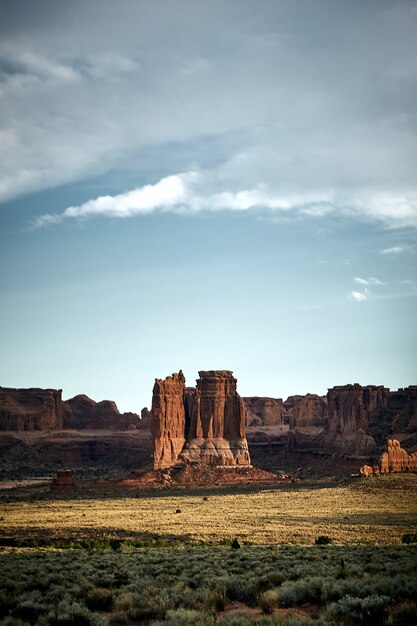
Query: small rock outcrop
x=64, y=479
x=30, y=409
x=263, y=411
x=395, y=460
x=203, y=425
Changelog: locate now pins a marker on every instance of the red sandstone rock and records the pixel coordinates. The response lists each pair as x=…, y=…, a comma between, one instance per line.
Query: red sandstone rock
x=263, y=411
x=217, y=422
x=145, y=416
x=395, y=459
x=82, y=413
x=30, y=409
x=308, y=410
x=63, y=480
x=204, y=425
x=403, y=403
x=168, y=419
x=352, y=407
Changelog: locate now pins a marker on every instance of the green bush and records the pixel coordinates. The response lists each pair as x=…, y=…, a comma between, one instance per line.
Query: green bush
x=268, y=601
x=369, y=611
x=409, y=538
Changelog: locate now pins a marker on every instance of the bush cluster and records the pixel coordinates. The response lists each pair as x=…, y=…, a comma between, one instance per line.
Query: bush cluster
x=197, y=585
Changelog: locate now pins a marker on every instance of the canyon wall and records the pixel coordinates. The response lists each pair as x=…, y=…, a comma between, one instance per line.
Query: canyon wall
x=263, y=411
x=30, y=409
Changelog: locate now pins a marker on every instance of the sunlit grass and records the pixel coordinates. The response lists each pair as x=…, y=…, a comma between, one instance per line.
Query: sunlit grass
x=378, y=510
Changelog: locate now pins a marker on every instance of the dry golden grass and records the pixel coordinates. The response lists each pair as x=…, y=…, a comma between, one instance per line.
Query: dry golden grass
x=379, y=509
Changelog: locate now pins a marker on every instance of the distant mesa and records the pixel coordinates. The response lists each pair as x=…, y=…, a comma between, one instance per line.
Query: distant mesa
x=44, y=410
x=205, y=424
x=64, y=480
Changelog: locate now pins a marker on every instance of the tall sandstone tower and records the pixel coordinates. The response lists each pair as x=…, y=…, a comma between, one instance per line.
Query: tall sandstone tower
x=201, y=425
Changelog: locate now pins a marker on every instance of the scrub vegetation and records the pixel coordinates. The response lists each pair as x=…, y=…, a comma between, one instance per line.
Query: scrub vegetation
x=297, y=555
x=209, y=585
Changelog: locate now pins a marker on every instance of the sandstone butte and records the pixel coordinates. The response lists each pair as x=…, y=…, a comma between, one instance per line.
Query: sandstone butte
x=395, y=459
x=201, y=425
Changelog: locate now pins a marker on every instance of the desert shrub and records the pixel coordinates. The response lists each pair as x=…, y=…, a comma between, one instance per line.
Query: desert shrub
x=369, y=611
x=185, y=617
x=119, y=618
x=323, y=540
x=73, y=614
x=13, y=621
x=293, y=593
x=235, y=544
x=268, y=600
x=404, y=613
x=215, y=599
x=99, y=599
x=409, y=538
x=236, y=619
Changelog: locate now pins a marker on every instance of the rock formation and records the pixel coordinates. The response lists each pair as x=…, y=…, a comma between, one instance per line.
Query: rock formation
x=217, y=422
x=64, y=479
x=308, y=410
x=263, y=411
x=30, y=409
x=168, y=419
x=82, y=413
x=395, y=459
x=403, y=405
x=145, y=416
x=204, y=425
x=351, y=408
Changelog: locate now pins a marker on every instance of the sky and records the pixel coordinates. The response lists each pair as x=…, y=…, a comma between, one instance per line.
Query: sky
x=207, y=185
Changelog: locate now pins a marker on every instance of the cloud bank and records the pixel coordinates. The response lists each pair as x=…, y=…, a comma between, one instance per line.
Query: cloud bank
x=192, y=192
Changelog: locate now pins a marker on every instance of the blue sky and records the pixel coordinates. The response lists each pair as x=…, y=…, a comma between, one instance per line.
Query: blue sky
x=207, y=185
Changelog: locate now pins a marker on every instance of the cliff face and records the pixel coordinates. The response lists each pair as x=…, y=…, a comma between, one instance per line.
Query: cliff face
x=308, y=410
x=44, y=409
x=30, y=409
x=168, y=424
x=205, y=425
x=351, y=408
x=82, y=413
x=263, y=411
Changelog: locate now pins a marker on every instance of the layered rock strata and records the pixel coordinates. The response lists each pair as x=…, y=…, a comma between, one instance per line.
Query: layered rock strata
x=263, y=411
x=204, y=425
x=351, y=408
x=217, y=422
x=30, y=409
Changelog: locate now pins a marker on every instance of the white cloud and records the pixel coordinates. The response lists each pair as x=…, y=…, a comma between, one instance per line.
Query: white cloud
x=359, y=296
x=368, y=281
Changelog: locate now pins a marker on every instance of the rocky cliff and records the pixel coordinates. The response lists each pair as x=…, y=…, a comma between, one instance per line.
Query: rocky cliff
x=308, y=410
x=204, y=425
x=30, y=409
x=44, y=409
x=263, y=411
x=81, y=412
x=352, y=408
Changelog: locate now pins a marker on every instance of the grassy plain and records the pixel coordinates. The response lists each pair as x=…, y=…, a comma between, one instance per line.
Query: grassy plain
x=379, y=509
